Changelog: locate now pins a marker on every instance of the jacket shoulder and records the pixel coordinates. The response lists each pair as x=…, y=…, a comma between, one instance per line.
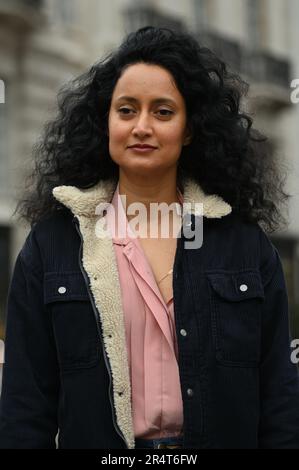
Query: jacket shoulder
x=254, y=237
x=45, y=237
x=249, y=240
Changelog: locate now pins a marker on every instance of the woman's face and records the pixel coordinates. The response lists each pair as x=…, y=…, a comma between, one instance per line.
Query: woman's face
x=147, y=108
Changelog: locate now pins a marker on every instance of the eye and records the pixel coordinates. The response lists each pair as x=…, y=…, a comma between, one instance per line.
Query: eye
x=124, y=111
x=165, y=110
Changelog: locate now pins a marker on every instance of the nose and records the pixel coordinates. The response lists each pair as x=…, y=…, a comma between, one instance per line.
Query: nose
x=142, y=125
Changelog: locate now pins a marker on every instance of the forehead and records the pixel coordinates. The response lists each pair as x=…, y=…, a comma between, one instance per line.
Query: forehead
x=147, y=81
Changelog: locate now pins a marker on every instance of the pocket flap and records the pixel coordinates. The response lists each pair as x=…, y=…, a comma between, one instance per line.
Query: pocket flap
x=64, y=286
x=239, y=286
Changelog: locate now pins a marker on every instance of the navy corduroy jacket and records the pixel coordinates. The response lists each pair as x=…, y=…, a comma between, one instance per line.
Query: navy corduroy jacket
x=65, y=359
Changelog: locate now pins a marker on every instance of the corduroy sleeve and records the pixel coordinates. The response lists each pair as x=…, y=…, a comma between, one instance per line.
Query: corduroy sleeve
x=279, y=382
x=30, y=387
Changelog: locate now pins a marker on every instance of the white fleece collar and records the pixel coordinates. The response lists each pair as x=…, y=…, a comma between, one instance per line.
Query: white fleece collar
x=85, y=201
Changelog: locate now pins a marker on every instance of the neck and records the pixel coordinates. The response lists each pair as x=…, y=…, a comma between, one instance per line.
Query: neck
x=147, y=191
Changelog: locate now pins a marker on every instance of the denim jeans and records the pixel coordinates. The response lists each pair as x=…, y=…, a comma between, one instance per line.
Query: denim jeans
x=159, y=443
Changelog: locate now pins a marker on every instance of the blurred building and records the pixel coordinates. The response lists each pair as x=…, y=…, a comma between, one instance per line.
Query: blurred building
x=43, y=43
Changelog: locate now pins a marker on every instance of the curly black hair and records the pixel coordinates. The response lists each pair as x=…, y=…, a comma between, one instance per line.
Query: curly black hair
x=226, y=155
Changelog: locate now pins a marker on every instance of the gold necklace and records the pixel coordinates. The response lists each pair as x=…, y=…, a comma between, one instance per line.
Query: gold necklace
x=169, y=272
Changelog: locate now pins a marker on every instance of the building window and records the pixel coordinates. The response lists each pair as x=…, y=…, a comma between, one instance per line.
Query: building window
x=254, y=23
x=62, y=12
x=2, y=92
x=66, y=10
x=200, y=14
x=140, y=15
x=4, y=274
x=4, y=128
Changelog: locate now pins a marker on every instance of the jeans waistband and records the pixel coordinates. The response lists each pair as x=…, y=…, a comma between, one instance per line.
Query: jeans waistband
x=172, y=442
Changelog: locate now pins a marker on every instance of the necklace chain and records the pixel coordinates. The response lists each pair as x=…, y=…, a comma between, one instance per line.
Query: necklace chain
x=169, y=272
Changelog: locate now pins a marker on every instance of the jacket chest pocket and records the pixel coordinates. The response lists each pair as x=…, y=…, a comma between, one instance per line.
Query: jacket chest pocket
x=236, y=304
x=74, y=323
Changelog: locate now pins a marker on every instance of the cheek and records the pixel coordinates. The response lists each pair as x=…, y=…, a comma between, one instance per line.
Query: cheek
x=173, y=130
x=117, y=132
x=174, y=135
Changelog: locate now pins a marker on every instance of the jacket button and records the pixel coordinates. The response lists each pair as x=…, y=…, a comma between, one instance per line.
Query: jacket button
x=190, y=392
x=62, y=290
x=183, y=332
x=243, y=287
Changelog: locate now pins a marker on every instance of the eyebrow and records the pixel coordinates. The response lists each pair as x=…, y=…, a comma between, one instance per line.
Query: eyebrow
x=162, y=99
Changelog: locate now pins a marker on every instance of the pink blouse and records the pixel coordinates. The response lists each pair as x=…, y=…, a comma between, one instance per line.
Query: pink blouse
x=150, y=337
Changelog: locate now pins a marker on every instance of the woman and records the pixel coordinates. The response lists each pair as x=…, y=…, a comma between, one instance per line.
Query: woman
x=119, y=340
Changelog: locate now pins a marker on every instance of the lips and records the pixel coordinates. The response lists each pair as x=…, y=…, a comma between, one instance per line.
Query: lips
x=142, y=147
